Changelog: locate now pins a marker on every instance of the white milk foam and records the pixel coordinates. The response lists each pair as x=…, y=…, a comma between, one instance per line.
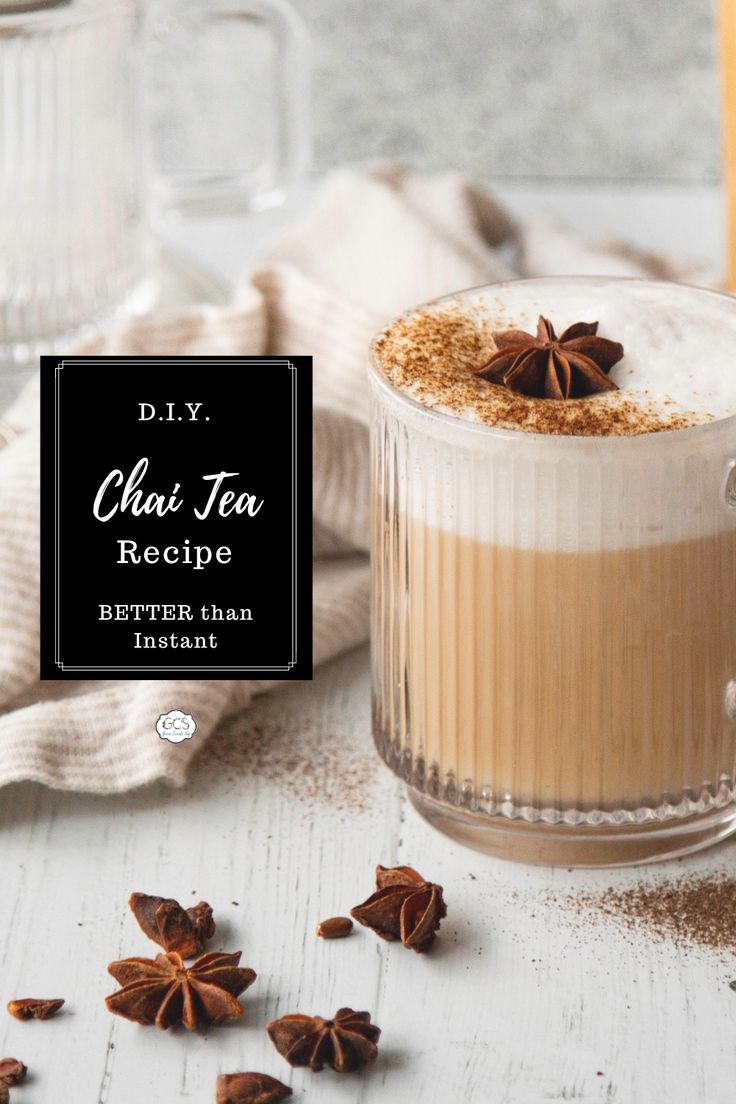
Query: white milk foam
x=679, y=343
x=587, y=494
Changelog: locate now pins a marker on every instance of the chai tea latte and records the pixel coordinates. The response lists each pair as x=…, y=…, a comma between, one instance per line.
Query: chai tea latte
x=554, y=602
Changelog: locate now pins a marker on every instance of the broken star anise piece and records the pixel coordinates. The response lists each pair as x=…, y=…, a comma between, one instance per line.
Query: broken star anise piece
x=164, y=992
x=33, y=1008
x=174, y=928
x=250, y=1088
x=346, y=1042
x=574, y=364
x=12, y=1072
x=404, y=907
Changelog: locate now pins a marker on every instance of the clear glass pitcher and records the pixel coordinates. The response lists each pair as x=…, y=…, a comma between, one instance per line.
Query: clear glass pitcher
x=109, y=110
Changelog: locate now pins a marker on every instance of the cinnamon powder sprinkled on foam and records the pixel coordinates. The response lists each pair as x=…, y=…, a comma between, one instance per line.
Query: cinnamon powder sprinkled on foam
x=434, y=353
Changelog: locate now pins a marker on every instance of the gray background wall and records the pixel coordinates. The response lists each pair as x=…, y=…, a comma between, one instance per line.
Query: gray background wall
x=617, y=89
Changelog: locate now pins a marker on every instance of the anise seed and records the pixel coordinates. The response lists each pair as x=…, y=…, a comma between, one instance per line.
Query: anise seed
x=337, y=927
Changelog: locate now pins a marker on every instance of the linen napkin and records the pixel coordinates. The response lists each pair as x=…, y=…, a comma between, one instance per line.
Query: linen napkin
x=376, y=242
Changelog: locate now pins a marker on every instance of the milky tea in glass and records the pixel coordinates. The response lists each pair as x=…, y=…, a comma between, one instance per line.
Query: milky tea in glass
x=554, y=582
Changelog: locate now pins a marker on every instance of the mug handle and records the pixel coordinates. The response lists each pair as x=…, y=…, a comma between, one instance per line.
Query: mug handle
x=247, y=62
x=730, y=488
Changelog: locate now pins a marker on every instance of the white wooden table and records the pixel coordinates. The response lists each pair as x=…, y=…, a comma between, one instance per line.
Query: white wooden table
x=523, y=1001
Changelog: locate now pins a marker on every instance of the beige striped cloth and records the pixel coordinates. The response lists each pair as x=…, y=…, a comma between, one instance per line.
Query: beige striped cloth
x=375, y=243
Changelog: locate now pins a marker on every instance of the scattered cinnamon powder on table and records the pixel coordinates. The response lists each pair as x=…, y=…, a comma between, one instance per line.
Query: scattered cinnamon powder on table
x=332, y=769
x=688, y=911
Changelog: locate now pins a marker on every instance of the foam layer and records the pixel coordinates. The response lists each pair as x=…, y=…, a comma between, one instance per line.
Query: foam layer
x=678, y=370
x=605, y=480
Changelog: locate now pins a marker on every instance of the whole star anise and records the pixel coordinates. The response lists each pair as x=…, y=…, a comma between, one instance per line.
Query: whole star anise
x=174, y=928
x=346, y=1042
x=574, y=364
x=404, y=907
x=164, y=992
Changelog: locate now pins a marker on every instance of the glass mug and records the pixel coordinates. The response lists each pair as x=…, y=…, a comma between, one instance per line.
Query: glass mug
x=554, y=630
x=107, y=103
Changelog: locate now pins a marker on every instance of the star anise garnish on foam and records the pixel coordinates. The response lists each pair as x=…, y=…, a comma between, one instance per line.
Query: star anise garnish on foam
x=346, y=1042
x=165, y=992
x=404, y=907
x=574, y=364
x=174, y=928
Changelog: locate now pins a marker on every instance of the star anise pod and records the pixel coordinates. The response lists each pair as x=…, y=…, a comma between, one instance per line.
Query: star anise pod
x=574, y=364
x=404, y=907
x=346, y=1042
x=163, y=991
x=250, y=1088
x=174, y=928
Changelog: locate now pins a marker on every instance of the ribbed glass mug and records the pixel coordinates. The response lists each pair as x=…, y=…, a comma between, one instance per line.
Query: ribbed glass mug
x=554, y=631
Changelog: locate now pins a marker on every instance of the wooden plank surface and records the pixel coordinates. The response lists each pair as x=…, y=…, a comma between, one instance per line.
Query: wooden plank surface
x=525, y=998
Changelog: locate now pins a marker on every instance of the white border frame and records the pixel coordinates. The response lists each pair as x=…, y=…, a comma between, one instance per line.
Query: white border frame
x=190, y=361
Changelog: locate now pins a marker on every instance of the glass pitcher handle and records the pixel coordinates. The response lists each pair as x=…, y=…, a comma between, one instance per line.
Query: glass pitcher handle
x=226, y=90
